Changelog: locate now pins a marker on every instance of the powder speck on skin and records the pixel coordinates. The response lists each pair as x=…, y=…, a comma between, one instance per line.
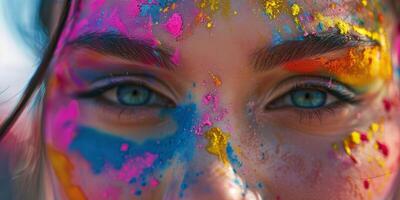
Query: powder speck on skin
x=366, y=184
x=174, y=25
x=364, y=2
x=343, y=27
x=295, y=9
x=217, y=143
x=273, y=8
x=216, y=79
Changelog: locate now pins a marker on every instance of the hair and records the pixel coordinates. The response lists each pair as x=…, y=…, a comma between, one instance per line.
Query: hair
x=26, y=178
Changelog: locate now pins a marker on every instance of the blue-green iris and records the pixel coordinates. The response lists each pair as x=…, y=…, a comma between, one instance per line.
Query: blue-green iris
x=308, y=98
x=133, y=95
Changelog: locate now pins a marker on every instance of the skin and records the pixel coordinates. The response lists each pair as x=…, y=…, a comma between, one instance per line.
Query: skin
x=284, y=152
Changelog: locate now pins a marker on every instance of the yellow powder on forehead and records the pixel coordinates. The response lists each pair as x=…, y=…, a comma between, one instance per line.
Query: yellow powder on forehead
x=217, y=143
x=208, y=8
x=273, y=8
x=295, y=9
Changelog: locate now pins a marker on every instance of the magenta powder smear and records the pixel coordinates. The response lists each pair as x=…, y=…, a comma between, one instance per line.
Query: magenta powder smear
x=174, y=25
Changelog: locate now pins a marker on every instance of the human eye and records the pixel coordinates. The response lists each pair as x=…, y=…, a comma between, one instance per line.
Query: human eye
x=127, y=98
x=311, y=96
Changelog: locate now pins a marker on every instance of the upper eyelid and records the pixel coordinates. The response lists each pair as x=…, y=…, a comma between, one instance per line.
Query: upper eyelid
x=104, y=84
x=315, y=81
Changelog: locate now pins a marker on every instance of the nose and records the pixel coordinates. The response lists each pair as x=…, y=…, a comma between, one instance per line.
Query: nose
x=212, y=173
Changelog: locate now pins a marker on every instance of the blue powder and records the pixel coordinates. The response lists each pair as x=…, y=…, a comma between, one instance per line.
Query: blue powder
x=100, y=148
x=320, y=27
x=287, y=29
x=233, y=158
x=276, y=38
x=153, y=9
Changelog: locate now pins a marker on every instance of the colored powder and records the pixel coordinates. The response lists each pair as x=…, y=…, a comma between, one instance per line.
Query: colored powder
x=276, y=38
x=383, y=148
x=175, y=58
x=287, y=29
x=63, y=169
x=273, y=8
x=346, y=146
x=217, y=143
x=343, y=27
x=174, y=25
x=364, y=2
x=208, y=8
x=361, y=66
x=216, y=79
x=233, y=158
x=65, y=123
x=320, y=27
x=355, y=137
x=102, y=149
x=374, y=127
x=295, y=9
x=366, y=184
x=134, y=167
x=305, y=65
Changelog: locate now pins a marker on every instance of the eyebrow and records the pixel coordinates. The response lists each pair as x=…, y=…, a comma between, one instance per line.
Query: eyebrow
x=116, y=44
x=268, y=58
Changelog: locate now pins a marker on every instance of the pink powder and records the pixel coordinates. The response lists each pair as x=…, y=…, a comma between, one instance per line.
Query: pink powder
x=154, y=182
x=124, y=147
x=176, y=57
x=133, y=168
x=65, y=123
x=174, y=25
x=96, y=4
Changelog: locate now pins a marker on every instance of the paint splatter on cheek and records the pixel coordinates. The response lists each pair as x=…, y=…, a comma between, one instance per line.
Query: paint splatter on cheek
x=63, y=169
x=139, y=165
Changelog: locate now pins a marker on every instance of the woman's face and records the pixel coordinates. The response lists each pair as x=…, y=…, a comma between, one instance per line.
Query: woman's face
x=224, y=99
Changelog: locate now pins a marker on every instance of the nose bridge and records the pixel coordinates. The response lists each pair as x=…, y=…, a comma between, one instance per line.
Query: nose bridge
x=211, y=173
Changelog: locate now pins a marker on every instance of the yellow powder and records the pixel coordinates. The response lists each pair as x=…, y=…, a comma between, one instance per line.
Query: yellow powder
x=273, y=8
x=364, y=2
x=209, y=8
x=217, y=143
x=295, y=9
x=362, y=66
x=343, y=27
x=374, y=127
x=346, y=147
x=355, y=137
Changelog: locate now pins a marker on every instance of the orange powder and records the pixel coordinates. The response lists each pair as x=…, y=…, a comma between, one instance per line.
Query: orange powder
x=63, y=169
x=359, y=67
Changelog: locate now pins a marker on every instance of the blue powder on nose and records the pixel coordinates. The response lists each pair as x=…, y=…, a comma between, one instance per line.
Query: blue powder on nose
x=232, y=157
x=100, y=148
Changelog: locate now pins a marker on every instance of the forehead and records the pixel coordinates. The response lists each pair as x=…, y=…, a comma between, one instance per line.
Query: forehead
x=180, y=19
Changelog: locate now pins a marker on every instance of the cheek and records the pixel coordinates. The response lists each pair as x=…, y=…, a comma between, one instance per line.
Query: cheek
x=290, y=165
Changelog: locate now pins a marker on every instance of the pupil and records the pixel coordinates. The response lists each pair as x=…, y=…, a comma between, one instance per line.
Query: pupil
x=307, y=96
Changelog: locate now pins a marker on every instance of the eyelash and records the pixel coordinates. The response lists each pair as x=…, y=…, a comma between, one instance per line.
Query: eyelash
x=343, y=93
x=97, y=91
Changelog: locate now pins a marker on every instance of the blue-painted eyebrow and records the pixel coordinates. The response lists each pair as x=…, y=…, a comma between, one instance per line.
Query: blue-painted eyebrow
x=118, y=45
